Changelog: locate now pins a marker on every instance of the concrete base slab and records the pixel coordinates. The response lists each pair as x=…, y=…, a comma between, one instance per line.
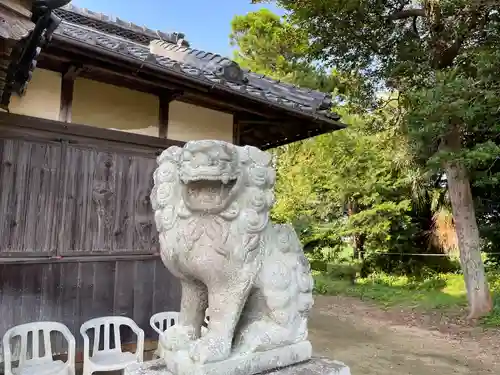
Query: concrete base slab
x=179, y=363
x=314, y=366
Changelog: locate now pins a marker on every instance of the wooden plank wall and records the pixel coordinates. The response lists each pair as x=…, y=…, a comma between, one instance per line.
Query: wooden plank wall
x=105, y=202
x=30, y=177
x=64, y=199
x=77, y=233
x=72, y=293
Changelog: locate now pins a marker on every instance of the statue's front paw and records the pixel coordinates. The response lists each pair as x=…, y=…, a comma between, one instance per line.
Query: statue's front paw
x=210, y=348
x=177, y=337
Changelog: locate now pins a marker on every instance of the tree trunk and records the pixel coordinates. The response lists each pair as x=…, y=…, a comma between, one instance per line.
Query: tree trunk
x=359, y=246
x=478, y=293
x=358, y=240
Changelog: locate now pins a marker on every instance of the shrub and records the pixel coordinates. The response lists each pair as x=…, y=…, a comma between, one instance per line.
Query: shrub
x=347, y=272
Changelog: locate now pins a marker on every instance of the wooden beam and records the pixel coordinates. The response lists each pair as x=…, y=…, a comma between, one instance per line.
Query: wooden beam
x=67, y=88
x=165, y=100
x=294, y=138
x=236, y=131
x=56, y=130
x=189, y=95
x=79, y=259
x=72, y=72
x=163, y=116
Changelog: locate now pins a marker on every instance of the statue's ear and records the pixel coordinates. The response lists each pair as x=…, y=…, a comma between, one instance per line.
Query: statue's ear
x=230, y=149
x=243, y=154
x=258, y=156
x=172, y=153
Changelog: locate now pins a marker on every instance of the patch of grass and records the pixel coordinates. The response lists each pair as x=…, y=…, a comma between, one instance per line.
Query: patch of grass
x=444, y=291
x=493, y=319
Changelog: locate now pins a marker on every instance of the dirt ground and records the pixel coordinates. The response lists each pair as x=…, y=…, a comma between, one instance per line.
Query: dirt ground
x=376, y=342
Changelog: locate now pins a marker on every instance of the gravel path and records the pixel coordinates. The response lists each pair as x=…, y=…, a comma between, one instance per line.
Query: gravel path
x=376, y=342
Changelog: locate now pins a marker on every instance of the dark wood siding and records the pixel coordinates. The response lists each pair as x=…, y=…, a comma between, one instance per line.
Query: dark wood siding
x=106, y=205
x=72, y=293
x=65, y=199
x=77, y=233
x=30, y=174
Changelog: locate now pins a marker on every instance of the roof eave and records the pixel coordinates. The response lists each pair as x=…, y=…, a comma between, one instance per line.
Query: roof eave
x=144, y=64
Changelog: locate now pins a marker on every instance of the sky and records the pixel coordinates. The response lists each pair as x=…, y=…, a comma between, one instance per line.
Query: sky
x=205, y=23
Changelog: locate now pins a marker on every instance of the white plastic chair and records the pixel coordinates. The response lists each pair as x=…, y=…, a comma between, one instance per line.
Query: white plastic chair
x=38, y=364
x=107, y=358
x=160, y=322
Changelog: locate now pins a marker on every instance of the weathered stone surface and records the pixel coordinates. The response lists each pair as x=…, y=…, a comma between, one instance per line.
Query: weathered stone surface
x=314, y=366
x=247, y=364
x=212, y=201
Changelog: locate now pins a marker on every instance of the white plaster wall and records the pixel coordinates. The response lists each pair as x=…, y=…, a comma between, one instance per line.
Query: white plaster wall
x=190, y=122
x=42, y=98
x=112, y=107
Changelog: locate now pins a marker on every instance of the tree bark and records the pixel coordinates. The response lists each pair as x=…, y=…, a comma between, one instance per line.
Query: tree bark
x=358, y=240
x=478, y=293
x=359, y=246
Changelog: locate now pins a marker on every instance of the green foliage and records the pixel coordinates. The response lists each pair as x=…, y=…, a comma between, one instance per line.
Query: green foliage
x=355, y=185
x=441, y=60
x=270, y=46
x=265, y=43
x=466, y=94
x=493, y=319
x=432, y=292
x=403, y=42
x=322, y=177
x=435, y=292
x=347, y=272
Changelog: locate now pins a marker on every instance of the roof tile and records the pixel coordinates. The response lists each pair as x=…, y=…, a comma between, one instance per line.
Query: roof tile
x=115, y=25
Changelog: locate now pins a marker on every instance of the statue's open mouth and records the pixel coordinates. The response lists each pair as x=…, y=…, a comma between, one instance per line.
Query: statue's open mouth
x=210, y=193
x=209, y=177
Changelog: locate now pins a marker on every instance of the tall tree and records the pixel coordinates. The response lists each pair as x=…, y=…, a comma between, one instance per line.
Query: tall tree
x=414, y=47
x=364, y=173
x=268, y=44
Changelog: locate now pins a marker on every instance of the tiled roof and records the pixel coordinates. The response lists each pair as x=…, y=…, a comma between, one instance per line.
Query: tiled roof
x=256, y=84
x=115, y=26
x=202, y=67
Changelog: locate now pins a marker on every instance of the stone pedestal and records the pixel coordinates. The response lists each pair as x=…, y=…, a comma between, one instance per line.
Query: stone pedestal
x=179, y=363
x=314, y=366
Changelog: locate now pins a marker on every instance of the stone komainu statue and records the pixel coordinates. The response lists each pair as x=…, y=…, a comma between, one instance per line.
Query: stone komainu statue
x=212, y=201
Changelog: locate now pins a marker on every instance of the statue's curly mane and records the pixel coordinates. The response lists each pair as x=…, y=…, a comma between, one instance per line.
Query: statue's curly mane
x=249, y=209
